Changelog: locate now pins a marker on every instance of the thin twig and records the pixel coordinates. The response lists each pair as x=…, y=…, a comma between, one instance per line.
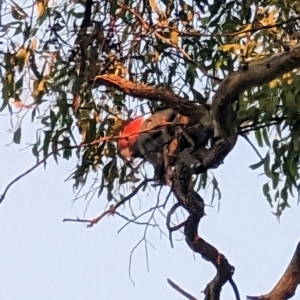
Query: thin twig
x=251, y=144
x=112, y=209
x=146, y=248
x=130, y=260
x=134, y=221
x=139, y=216
x=180, y=290
x=255, y=126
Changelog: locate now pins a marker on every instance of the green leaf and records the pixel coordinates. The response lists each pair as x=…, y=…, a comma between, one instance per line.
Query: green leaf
x=202, y=181
x=266, y=137
x=257, y=165
x=275, y=179
x=266, y=191
x=284, y=194
x=259, y=138
x=33, y=113
x=46, y=144
x=53, y=119
x=267, y=166
x=35, y=151
x=110, y=171
x=292, y=165
x=123, y=175
x=7, y=89
x=215, y=188
x=295, y=138
x=17, y=136
x=101, y=188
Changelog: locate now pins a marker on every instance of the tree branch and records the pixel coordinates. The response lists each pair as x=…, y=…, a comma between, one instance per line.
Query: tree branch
x=153, y=94
x=180, y=290
x=287, y=285
x=224, y=270
x=235, y=289
x=223, y=116
x=258, y=73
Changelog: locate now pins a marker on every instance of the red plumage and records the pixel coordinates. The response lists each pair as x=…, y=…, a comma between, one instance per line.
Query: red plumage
x=131, y=130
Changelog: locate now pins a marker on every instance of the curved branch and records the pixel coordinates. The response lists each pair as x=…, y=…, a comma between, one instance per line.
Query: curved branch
x=224, y=270
x=288, y=283
x=194, y=204
x=223, y=117
x=258, y=73
x=168, y=221
x=152, y=93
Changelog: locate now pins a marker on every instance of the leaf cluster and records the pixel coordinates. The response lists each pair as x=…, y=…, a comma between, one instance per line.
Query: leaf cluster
x=53, y=50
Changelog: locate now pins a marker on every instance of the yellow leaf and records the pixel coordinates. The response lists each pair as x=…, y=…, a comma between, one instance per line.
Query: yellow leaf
x=169, y=8
x=272, y=17
x=174, y=37
x=156, y=56
x=34, y=43
x=117, y=125
x=39, y=88
x=153, y=4
x=250, y=47
x=98, y=119
x=41, y=85
x=156, y=9
x=173, y=33
x=289, y=77
x=296, y=6
x=148, y=57
x=9, y=77
x=229, y=48
x=273, y=83
x=185, y=6
x=41, y=6
x=244, y=31
x=22, y=58
x=218, y=64
x=190, y=16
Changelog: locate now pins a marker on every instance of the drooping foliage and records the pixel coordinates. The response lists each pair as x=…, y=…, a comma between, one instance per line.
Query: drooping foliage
x=81, y=67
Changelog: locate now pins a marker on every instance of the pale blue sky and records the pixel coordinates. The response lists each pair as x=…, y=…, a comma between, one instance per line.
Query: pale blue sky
x=43, y=258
